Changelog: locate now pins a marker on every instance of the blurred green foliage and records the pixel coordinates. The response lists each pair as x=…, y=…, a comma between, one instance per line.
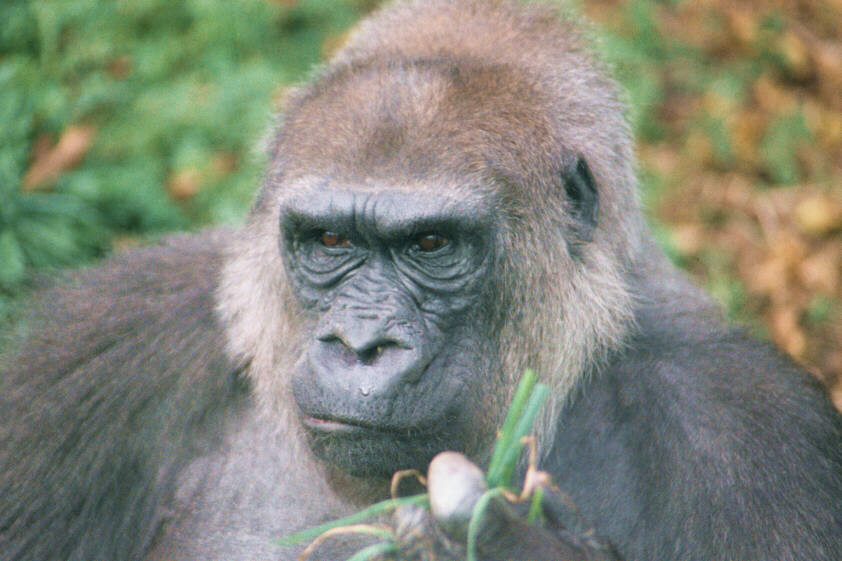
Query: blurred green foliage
x=175, y=96
x=725, y=97
x=169, y=89
x=660, y=70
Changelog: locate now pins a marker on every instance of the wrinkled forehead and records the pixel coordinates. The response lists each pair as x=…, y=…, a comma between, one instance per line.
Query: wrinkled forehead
x=328, y=194
x=413, y=121
x=389, y=210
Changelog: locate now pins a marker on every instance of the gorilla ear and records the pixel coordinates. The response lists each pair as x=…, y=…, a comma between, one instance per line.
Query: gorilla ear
x=583, y=200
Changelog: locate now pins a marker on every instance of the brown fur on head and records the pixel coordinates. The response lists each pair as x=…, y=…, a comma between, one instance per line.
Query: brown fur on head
x=478, y=98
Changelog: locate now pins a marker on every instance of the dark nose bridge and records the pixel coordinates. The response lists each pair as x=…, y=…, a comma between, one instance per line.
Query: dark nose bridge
x=363, y=318
x=371, y=339
x=362, y=332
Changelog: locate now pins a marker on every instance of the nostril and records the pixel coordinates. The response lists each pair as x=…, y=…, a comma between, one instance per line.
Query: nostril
x=340, y=350
x=350, y=354
x=371, y=354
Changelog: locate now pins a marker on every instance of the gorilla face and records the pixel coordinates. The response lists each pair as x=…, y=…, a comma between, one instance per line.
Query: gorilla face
x=401, y=242
x=396, y=283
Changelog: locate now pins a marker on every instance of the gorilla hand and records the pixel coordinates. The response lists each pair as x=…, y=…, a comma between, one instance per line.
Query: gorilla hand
x=455, y=485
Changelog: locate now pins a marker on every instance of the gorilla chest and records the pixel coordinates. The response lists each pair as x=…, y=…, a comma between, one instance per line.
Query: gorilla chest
x=232, y=503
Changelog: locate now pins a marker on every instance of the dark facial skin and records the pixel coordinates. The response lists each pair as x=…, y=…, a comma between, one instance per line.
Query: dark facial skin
x=394, y=282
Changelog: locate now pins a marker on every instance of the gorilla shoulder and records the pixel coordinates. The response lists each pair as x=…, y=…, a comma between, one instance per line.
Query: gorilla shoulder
x=120, y=382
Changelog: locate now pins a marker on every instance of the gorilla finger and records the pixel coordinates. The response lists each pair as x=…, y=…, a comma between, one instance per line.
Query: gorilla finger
x=455, y=485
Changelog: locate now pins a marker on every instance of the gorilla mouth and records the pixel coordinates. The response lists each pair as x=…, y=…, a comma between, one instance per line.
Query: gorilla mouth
x=334, y=426
x=327, y=425
x=374, y=450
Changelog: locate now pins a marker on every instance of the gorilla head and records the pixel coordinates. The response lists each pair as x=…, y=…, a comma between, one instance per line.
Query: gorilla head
x=438, y=215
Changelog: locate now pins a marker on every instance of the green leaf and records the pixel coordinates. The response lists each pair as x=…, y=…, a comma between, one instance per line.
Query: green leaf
x=779, y=147
x=536, y=514
x=523, y=428
x=309, y=534
x=12, y=262
x=496, y=468
x=372, y=550
x=476, y=520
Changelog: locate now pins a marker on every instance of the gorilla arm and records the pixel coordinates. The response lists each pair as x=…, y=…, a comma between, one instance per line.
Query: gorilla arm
x=119, y=379
x=697, y=442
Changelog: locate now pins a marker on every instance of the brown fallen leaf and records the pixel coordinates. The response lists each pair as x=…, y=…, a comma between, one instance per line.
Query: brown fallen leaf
x=222, y=163
x=818, y=215
x=796, y=55
x=120, y=67
x=822, y=271
x=828, y=60
x=743, y=25
x=747, y=130
x=688, y=238
x=184, y=183
x=772, y=96
x=49, y=164
x=767, y=277
x=787, y=332
x=836, y=395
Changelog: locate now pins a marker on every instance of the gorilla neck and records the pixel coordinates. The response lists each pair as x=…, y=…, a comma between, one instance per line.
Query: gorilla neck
x=356, y=490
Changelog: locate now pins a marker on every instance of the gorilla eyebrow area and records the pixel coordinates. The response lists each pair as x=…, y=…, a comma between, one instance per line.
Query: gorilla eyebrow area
x=384, y=215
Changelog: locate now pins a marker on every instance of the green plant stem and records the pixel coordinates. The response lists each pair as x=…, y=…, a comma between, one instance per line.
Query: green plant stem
x=375, y=549
x=496, y=468
x=535, y=513
x=309, y=534
x=511, y=453
x=476, y=516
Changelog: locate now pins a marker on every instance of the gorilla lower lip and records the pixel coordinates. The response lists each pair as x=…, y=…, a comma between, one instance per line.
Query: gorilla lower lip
x=331, y=426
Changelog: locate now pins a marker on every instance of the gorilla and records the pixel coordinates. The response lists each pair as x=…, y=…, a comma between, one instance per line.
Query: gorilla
x=449, y=201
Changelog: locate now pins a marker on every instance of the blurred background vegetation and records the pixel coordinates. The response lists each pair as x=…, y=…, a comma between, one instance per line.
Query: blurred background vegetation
x=121, y=120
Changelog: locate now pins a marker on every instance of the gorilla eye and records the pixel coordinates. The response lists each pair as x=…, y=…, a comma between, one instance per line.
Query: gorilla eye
x=332, y=239
x=431, y=242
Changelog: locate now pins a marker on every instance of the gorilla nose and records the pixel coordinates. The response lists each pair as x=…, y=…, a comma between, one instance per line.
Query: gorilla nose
x=367, y=352
x=369, y=363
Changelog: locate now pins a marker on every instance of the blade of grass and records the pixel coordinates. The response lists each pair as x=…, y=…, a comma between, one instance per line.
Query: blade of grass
x=510, y=455
x=494, y=476
x=476, y=516
x=375, y=549
x=535, y=513
x=384, y=533
x=309, y=534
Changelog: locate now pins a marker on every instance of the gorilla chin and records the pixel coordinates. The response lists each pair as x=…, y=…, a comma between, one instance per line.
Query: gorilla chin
x=392, y=409
x=376, y=432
